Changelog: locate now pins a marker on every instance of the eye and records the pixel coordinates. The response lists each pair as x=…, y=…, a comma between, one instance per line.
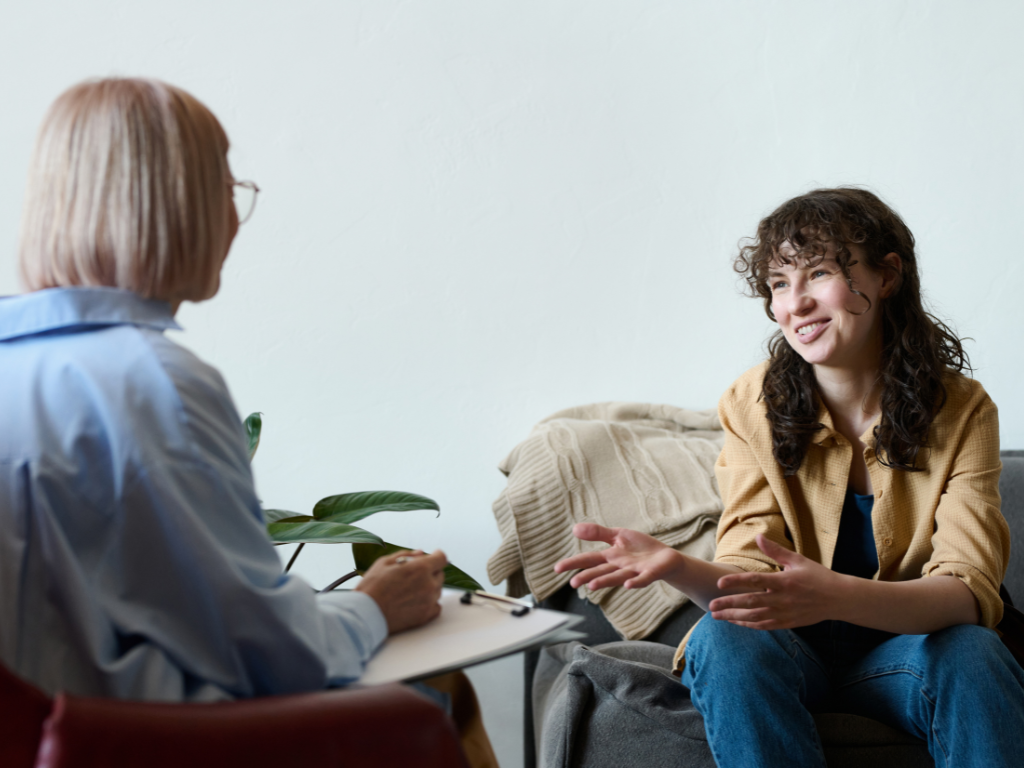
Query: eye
x=779, y=284
x=819, y=273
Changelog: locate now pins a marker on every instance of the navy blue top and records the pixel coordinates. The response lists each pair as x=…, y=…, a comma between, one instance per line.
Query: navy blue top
x=856, y=553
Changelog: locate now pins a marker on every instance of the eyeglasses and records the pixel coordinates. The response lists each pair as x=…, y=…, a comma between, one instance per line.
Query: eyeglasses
x=244, y=195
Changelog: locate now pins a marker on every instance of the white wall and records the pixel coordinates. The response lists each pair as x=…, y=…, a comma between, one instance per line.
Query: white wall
x=477, y=213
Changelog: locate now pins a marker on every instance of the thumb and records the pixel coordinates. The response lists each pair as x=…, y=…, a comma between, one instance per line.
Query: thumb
x=777, y=552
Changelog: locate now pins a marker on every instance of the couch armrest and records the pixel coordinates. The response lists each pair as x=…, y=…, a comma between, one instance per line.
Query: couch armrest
x=381, y=726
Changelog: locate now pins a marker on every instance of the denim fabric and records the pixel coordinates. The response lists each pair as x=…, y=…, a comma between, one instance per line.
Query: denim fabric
x=958, y=689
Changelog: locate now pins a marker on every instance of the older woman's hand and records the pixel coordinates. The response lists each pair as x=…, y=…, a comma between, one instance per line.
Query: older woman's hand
x=406, y=586
x=803, y=593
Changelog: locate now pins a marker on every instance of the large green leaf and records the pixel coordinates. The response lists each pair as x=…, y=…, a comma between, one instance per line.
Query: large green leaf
x=253, y=427
x=365, y=555
x=459, y=579
x=276, y=515
x=302, y=529
x=351, y=507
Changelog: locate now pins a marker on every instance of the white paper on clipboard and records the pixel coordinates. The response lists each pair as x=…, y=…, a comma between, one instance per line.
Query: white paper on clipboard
x=464, y=635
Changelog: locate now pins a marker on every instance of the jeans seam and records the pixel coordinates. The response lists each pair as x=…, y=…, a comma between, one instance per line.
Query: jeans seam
x=917, y=676
x=882, y=672
x=795, y=640
x=935, y=733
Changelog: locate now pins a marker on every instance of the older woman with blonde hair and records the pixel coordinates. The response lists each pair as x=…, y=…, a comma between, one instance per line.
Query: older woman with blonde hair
x=134, y=562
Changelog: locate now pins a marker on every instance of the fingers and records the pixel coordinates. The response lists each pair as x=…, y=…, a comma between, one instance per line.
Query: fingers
x=594, y=532
x=433, y=612
x=759, y=616
x=750, y=581
x=436, y=561
x=746, y=601
x=643, y=579
x=583, y=560
x=777, y=552
x=611, y=577
x=766, y=625
x=587, y=576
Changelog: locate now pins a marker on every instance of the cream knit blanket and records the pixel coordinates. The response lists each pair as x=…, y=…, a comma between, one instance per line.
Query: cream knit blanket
x=624, y=465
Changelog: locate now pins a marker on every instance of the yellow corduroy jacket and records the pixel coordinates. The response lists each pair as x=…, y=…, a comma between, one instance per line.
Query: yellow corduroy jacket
x=944, y=521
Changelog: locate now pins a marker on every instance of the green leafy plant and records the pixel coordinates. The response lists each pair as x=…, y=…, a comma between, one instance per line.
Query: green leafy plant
x=332, y=518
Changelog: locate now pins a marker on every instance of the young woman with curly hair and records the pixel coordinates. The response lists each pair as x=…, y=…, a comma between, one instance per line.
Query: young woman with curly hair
x=862, y=547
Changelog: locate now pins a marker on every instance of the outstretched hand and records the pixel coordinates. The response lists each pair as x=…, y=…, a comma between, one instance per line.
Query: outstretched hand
x=633, y=560
x=800, y=595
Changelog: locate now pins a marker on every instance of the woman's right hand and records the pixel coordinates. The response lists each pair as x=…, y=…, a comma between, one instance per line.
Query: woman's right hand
x=406, y=586
x=633, y=560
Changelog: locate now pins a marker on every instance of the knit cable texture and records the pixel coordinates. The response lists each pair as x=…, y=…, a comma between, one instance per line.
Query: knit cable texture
x=624, y=465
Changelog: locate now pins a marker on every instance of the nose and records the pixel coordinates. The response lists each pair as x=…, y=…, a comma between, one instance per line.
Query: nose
x=797, y=302
x=801, y=301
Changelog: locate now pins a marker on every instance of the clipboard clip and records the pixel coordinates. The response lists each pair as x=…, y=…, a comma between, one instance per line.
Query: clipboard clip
x=514, y=607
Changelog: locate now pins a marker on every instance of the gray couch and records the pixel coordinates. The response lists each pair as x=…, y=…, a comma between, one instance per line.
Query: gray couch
x=608, y=702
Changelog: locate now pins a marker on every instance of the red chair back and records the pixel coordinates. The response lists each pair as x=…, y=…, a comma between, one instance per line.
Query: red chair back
x=23, y=708
x=388, y=726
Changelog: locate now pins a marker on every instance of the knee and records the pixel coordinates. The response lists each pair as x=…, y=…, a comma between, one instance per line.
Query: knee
x=969, y=651
x=739, y=648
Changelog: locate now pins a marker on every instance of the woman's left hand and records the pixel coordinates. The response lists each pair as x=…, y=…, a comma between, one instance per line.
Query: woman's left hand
x=803, y=593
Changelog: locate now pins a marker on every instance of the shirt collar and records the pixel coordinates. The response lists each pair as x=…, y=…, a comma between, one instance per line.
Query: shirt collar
x=62, y=309
x=822, y=436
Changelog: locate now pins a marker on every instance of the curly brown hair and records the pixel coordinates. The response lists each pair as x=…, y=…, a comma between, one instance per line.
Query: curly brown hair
x=918, y=348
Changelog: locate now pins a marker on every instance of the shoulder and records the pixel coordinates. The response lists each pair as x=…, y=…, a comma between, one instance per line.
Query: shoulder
x=964, y=393
x=210, y=424
x=968, y=410
x=741, y=403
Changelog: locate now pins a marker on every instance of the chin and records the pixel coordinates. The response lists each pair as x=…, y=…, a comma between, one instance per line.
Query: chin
x=813, y=356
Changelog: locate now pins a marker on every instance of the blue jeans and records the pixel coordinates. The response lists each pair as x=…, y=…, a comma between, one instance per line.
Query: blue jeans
x=959, y=690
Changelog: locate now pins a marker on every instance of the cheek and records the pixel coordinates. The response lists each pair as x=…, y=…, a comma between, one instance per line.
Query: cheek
x=858, y=305
x=780, y=313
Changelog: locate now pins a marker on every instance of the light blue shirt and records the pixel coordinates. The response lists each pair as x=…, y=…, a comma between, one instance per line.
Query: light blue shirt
x=134, y=561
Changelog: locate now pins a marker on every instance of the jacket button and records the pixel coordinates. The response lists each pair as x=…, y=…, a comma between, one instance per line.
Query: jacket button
x=887, y=541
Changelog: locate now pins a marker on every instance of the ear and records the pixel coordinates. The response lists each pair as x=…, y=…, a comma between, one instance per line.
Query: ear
x=892, y=274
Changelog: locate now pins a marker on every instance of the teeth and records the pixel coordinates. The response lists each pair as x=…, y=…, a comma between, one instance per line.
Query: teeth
x=808, y=329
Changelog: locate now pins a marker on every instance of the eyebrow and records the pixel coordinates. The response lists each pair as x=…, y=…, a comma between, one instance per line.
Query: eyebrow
x=828, y=257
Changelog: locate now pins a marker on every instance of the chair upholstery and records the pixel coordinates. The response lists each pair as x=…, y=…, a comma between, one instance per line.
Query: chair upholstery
x=23, y=709
x=381, y=726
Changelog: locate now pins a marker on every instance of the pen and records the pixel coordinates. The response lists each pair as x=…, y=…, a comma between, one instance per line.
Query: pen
x=513, y=606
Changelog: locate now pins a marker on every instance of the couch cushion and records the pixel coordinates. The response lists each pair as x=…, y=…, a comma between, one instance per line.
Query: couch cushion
x=1011, y=489
x=617, y=704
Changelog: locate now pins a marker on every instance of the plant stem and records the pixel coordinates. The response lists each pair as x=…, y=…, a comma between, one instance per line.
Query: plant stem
x=292, y=561
x=339, y=582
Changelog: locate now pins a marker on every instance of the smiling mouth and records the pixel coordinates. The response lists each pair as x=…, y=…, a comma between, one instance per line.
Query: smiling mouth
x=806, y=331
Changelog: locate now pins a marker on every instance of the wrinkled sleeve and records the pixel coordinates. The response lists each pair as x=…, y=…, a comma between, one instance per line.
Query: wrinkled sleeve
x=971, y=539
x=209, y=590
x=200, y=576
x=751, y=506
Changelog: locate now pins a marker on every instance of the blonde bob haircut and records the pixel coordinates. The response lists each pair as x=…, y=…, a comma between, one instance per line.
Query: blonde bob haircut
x=128, y=187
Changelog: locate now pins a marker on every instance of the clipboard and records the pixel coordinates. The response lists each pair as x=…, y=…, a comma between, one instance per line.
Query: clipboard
x=465, y=634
